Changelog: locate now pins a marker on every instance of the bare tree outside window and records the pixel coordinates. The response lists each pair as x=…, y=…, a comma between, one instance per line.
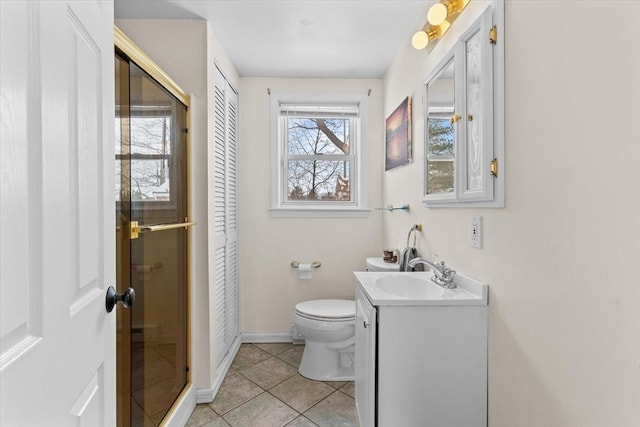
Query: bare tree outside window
x=149, y=159
x=316, y=149
x=440, y=165
x=318, y=161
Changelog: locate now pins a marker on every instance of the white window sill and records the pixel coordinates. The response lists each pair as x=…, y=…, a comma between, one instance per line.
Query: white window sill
x=497, y=202
x=323, y=212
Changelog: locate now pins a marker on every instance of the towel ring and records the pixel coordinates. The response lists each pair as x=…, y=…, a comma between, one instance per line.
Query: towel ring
x=413, y=229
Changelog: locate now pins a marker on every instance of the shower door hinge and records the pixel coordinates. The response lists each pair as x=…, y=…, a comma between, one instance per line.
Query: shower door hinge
x=493, y=35
x=134, y=230
x=493, y=168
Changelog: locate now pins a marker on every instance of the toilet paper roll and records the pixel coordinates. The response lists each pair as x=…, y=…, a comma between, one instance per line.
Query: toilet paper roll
x=304, y=271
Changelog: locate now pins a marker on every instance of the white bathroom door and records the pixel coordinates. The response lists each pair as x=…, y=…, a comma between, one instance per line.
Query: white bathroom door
x=57, y=343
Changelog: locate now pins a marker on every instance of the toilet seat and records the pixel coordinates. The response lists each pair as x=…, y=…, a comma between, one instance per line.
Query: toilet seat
x=327, y=310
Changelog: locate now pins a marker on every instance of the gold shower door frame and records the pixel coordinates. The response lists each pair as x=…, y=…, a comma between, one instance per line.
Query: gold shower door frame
x=130, y=240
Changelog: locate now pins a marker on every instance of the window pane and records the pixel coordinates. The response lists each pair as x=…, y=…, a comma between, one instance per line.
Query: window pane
x=320, y=180
x=122, y=185
x=440, y=166
x=318, y=136
x=150, y=180
x=441, y=137
x=151, y=135
x=119, y=181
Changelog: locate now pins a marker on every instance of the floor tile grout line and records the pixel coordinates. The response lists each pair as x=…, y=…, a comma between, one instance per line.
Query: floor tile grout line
x=290, y=363
x=293, y=346
x=266, y=389
x=318, y=402
x=286, y=404
x=259, y=394
x=273, y=355
x=255, y=397
x=269, y=392
x=280, y=400
x=322, y=400
x=240, y=372
x=237, y=406
x=306, y=418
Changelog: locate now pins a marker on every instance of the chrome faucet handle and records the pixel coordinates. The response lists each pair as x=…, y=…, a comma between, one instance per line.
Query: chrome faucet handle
x=445, y=276
x=448, y=273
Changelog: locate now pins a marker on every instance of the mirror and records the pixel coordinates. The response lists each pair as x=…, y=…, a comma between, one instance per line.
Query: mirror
x=440, y=131
x=461, y=153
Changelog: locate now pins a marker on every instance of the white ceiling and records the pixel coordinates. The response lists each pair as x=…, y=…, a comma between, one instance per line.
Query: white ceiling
x=298, y=38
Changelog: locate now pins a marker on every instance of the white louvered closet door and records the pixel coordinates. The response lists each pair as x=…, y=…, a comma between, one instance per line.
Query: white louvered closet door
x=223, y=214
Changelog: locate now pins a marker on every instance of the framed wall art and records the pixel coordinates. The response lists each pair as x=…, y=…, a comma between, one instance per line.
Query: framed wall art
x=398, y=136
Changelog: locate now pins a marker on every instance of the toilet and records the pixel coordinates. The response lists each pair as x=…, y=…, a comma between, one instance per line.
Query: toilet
x=328, y=328
x=379, y=264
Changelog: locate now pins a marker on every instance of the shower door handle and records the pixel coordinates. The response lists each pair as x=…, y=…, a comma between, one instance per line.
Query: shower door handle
x=136, y=228
x=127, y=298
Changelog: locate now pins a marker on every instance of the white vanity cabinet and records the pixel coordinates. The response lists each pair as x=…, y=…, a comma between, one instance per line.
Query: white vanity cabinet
x=366, y=323
x=420, y=364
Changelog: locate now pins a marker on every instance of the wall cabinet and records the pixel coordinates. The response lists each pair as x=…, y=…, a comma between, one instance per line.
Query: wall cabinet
x=462, y=147
x=422, y=365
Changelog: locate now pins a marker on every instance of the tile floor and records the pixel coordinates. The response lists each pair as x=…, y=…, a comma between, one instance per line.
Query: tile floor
x=263, y=389
x=155, y=382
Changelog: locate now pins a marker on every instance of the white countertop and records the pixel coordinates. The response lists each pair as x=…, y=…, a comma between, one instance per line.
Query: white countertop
x=468, y=291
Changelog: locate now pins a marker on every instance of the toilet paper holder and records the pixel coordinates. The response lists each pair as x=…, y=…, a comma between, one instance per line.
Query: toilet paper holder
x=314, y=264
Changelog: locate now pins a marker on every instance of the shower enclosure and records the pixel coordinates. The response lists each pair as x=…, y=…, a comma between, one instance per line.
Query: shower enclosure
x=152, y=242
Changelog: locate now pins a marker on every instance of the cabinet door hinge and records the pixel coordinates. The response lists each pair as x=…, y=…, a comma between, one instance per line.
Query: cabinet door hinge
x=493, y=35
x=493, y=168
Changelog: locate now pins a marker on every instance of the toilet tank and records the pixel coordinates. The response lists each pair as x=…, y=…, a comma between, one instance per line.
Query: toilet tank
x=378, y=264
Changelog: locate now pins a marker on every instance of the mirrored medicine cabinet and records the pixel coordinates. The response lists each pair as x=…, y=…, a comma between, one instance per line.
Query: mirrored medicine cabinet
x=461, y=153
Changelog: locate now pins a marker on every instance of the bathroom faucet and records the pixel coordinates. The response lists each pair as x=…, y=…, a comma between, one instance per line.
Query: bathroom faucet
x=442, y=275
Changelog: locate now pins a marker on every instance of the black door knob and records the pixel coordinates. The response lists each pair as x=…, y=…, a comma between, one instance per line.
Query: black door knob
x=127, y=298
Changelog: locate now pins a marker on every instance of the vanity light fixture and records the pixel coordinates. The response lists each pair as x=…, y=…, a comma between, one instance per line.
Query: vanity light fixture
x=421, y=38
x=439, y=12
x=439, y=18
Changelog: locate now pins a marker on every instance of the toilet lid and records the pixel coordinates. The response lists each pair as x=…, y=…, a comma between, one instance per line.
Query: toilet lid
x=328, y=309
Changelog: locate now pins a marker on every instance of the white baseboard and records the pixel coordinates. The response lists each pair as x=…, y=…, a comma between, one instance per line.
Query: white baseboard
x=206, y=395
x=272, y=337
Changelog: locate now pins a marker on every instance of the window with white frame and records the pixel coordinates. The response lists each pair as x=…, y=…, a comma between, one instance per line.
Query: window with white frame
x=316, y=155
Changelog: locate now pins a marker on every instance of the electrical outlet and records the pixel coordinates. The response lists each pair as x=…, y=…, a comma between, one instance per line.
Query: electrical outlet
x=476, y=232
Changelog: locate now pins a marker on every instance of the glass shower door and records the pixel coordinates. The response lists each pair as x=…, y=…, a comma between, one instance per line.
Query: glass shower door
x=152, y=165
